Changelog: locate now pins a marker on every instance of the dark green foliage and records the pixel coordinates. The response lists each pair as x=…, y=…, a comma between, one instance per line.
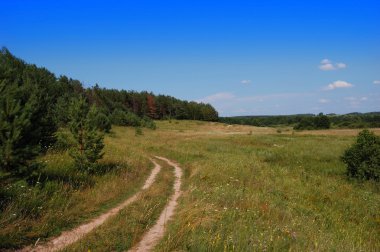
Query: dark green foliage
x=64, y=141
x=26, y=124
x=306, y=121
x=132, y=120
x=147, y=104
x=363, y=158
x=89, y=142
x=148, y=123
x=99, y=119
x=119, y=117
x=322, y=121
x=103, y=123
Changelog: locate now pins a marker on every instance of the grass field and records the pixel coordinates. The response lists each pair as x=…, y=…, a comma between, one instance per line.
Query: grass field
x=245, y=188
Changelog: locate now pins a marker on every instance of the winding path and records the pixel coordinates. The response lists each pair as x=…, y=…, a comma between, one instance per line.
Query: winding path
x=71, y=236
x=151, y=238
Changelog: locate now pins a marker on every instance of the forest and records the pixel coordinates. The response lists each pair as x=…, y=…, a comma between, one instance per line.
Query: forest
x=37, y=109
x=310, y=121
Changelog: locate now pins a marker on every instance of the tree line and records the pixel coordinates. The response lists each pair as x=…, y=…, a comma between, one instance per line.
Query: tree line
x=310, y=121
x=34, y=104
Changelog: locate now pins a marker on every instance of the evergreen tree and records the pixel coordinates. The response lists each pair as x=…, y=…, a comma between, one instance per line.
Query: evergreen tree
x=17, y=146
x=26, y=124
x=89, y=142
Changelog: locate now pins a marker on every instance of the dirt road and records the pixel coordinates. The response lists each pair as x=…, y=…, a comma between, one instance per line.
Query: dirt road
x=71, y=236
x=151, y=238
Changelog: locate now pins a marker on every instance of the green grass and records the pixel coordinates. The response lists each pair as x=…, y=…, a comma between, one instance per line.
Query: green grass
x=125, y=230
x=245, y=189
x=69, y=198
x=272, y=193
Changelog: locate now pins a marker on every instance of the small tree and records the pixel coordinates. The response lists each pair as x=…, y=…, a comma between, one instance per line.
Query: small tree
x=363, y=158
x=89, y=142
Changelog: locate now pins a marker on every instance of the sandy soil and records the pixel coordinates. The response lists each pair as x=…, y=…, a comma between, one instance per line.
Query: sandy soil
x=150, y=239
x=71, y=236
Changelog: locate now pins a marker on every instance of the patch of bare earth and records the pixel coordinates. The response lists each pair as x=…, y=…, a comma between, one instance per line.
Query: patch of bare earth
x=71, y=236
x=150, y=239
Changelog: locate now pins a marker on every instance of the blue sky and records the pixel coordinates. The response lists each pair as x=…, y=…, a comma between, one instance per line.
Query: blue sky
x=243, y=57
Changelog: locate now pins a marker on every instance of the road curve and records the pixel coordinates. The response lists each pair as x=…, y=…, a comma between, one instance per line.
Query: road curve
x=71, y=236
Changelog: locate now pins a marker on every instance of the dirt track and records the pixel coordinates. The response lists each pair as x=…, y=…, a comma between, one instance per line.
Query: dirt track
x=150, y=239
x=71, y=236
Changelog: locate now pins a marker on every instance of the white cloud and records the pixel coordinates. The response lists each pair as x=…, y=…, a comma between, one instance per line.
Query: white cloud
x=323, y=101
x=328, y=65
x=340, y=65
x=245, y=81
x=376, y=82
x=217, y=97
x=325, y=61
x=338, y=84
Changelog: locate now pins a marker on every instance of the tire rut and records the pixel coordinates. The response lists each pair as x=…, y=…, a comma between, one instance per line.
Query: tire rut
x=151, y=238
x=71, y=236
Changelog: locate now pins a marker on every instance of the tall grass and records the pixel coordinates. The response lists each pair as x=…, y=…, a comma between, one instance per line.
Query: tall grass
x=245, y=189
x=126, y=229
x=61, y=197
x=272, y=192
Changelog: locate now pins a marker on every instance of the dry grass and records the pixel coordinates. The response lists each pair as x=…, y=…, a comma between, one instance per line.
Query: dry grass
x=245, y=189
x=125, y=230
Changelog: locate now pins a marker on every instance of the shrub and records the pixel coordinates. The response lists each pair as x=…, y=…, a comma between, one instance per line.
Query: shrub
x=133, y=120
x=148, y=123
x=119, y=117
x=363, y=158
x=320, y=121
x=103, y=123
x=305, y=123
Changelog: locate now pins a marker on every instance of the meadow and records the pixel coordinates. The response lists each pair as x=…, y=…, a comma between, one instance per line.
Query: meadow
x=245, y=189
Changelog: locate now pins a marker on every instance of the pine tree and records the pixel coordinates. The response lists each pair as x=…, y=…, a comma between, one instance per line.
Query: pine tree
x=89, y=142
x=17, y=146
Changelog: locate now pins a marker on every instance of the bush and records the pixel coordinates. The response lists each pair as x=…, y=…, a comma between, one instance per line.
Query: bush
x=320, y=121
x=119, y=117
x=363, y=158
x=102, y=122
x=148, y=123
x=133, y=120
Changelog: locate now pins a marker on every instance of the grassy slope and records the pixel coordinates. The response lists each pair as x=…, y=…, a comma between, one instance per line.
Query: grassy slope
x=248, y=188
